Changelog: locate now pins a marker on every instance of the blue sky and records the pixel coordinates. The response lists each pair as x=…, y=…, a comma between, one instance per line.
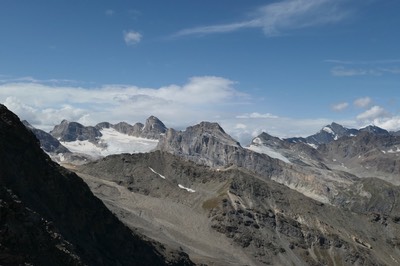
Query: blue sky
x=285, y=67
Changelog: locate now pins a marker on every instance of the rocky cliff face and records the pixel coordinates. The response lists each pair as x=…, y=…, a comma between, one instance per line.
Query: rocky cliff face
x=369, y=154
x=208, y=144
x=205, y=143
x=50, y=217
x=327, y=134
x=241, y=218
x=153, y=128
x=71, y=131
x=128, y=129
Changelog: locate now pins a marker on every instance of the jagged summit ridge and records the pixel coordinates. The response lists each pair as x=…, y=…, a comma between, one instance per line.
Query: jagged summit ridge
x=153, y=128
x=203, y=141
x=71, y=131
x=333, y=132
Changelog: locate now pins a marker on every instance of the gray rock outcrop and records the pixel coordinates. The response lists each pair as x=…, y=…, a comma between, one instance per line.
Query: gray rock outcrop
x=71, y=131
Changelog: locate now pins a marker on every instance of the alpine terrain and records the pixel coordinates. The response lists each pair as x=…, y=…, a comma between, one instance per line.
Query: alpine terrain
x=48, y=215
x=328, y=199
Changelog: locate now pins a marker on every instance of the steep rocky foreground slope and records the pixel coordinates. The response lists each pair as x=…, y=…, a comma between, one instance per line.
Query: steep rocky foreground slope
x=48, y=215
x=236, y=217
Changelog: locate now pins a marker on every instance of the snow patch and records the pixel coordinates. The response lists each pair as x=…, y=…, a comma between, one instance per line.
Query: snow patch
x=83, y=146
x=328, y=130
x=313, y=145
x=394, y=151
x=268, y=151
x=111, y=142
x=61, y=156
x=257, y=141
x=160, y=175
x=187, y=189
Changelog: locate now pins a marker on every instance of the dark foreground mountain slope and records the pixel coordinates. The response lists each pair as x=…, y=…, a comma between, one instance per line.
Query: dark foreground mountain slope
x=236, y=217
x=48, y=215
x=47, y=142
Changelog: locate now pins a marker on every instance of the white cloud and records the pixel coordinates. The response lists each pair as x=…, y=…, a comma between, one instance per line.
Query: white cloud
x=240, y=126
x=378, y=116
x=201, y=98
x=206, y=98
x=257, y=115
x=281, y=17
x=390, y=123
x=340, y=106
x=132, y=37
x=363, y=102
x=373, y=113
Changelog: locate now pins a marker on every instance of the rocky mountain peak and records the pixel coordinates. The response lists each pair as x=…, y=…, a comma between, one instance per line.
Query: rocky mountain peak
x=211, y=130
x=71, y=131
x=153, y=128
x=154, y=123
x=264, y=137
x=210, y=127
x=375, y=130
x=327, y=134
x=337, y=127
x=201, y=143
x=102, y=125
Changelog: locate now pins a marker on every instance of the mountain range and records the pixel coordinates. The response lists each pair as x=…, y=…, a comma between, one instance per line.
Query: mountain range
x=327, y=199
x=49, y=216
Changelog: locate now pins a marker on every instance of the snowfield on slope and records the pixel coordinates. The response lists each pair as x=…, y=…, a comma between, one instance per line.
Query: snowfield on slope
x=111, y=142
x=268, y=151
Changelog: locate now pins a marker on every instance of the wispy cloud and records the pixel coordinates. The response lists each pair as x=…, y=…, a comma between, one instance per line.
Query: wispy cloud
x=350, y=68
x=363, y=102
x=132, y=37
x=280, y=18
x=340, y=106
x=341, y=71
x=258, y=115
x=356, y=62
x=28, y=79
x=219, y=28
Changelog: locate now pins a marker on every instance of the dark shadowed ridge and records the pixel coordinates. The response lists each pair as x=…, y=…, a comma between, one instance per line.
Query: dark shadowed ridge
x=50, y=217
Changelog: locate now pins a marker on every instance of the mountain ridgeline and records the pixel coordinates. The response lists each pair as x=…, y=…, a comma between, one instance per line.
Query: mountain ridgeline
x=49, y=216
x=71, y=131
x=330, y=198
